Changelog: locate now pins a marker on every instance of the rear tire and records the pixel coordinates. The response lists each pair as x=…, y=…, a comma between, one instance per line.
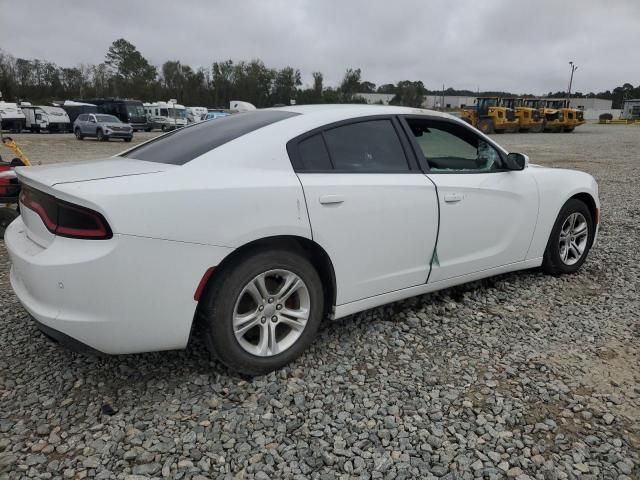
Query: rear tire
x=78, y=134
x=570, y=239
x=7, y=215
x=127, y=140
x=251, y=331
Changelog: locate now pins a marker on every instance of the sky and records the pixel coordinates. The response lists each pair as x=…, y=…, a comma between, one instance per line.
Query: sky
x=507, y=45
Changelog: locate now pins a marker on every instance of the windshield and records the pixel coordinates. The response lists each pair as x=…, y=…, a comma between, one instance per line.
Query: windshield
x=107, y=119
x=177, y=113
x=135, y=110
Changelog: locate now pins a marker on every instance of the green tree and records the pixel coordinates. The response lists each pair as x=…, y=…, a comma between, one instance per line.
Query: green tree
x=409, y=94
x=350, y=84
x=131, y=71
x=285, y=85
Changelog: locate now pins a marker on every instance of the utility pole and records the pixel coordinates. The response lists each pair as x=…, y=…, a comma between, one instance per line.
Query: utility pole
x=573, y=69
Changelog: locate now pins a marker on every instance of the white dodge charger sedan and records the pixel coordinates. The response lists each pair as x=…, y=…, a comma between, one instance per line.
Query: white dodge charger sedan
x=263, y=223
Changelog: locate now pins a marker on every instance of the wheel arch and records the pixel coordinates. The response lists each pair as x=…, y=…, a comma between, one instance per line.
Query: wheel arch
x=588, y=199
x=317, y=255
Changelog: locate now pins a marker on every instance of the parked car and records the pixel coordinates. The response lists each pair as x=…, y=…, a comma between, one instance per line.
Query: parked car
x=264, y=223
x=216, y=114
x=102, y=127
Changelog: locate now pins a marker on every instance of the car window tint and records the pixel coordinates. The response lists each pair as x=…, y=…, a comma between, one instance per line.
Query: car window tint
x=451, y=148
x=313, y=154
x=184, y=144
x=370, y=146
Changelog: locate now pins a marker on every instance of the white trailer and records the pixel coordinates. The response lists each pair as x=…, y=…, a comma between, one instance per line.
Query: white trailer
x=196, y=114
x=166, y=115
x=42, y=118
x=240, y=106
x=11, y=117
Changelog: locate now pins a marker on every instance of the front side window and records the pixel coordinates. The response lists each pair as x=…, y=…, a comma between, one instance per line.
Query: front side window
x=366, y=147
x=450, y=148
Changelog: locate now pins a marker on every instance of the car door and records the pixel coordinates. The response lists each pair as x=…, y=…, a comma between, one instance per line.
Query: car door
x=487, y=213
x=84, y=120
x=370, y=207
x=92, y=126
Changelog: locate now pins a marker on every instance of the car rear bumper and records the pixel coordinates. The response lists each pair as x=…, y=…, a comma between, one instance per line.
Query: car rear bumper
x=123, y=295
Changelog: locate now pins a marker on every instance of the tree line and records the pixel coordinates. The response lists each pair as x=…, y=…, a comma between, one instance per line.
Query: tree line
x=125, y=72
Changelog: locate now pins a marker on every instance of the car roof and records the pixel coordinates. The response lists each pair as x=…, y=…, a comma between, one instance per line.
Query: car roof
x=312, y=116
x=357, y=110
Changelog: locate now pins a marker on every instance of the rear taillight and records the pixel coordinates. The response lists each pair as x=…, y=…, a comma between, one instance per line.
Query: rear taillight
x=64, y=218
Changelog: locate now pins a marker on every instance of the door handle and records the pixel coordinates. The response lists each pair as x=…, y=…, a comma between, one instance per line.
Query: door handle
x=331, y=199
x=453, y=197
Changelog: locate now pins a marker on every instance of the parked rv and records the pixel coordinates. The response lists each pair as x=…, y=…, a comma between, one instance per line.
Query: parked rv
x=42, y=118
x=166, y=115
x=128, y=111
x=74, y=109
x=196, y=114
x=11, y=117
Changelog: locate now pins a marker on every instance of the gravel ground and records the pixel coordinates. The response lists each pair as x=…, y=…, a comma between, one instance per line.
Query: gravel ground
x=520, y=376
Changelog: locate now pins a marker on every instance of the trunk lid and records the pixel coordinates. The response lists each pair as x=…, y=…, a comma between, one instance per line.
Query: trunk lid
x=45, y=178
x=50, y=175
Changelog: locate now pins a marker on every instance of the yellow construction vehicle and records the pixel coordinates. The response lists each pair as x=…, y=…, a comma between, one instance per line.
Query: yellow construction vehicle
x=9, y=184
x=569, y=118
x=529, y=118
x=489, y=117
x=552, y=118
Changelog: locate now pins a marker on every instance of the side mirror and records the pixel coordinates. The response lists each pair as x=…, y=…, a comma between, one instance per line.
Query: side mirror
x=517, y=161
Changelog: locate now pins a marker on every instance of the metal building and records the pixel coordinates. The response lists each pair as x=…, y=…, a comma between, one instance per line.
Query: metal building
x=631, y=109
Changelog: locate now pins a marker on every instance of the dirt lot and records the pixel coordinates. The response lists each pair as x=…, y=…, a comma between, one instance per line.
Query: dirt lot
x=520, y=376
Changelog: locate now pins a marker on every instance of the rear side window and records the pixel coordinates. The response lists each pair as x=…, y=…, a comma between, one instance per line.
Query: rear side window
x=313, y=154
x=185, y=144
x=367, y=147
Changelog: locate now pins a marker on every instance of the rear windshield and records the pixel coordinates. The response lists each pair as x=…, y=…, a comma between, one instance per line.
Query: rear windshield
x=183, y=145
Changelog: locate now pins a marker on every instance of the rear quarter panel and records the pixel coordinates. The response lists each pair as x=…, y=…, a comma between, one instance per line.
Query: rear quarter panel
x=237, y=193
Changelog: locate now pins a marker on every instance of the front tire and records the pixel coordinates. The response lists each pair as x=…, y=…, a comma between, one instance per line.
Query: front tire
x=570, y=239
x=486, y=126
x=262, y=312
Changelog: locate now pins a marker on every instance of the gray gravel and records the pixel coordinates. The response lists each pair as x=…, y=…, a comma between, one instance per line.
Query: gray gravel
x=521, y=376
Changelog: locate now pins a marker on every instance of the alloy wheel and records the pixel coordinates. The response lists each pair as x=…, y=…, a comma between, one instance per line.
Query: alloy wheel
x=574, y=237
x=271, y=313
